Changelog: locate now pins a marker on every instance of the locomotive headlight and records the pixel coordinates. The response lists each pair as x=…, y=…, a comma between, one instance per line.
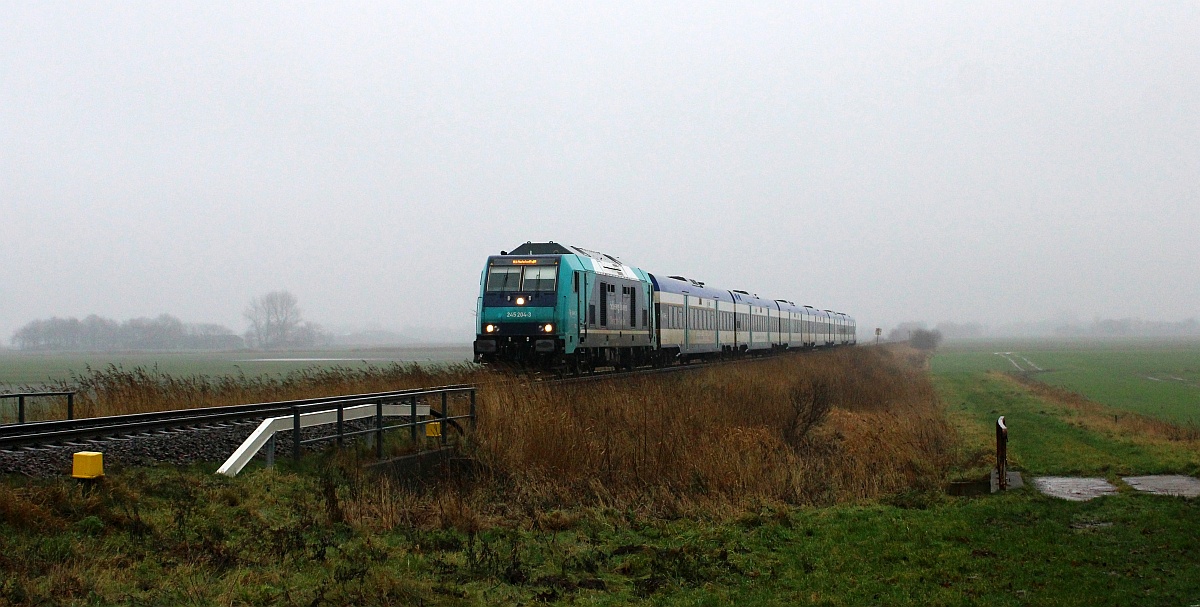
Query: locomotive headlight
x=490, y=329
x=520, y=301
x=548, y=328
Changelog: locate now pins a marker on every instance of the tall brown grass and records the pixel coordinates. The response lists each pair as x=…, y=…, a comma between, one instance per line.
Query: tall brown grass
x=812, y=428
x=803, y=429
x=119, y=391
x=809, y=429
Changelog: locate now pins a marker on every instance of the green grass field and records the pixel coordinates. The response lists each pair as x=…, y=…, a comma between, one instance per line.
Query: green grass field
x=169, y=536
x=1159, y=379
x=32, y=369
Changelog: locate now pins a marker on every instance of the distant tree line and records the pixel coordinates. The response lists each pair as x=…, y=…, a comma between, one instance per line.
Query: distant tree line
x=1098, y=328
x=1131, y=327
x=98, y=334
x=275, y=324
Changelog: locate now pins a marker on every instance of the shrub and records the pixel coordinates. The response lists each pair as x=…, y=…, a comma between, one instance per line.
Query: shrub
x=924, y=339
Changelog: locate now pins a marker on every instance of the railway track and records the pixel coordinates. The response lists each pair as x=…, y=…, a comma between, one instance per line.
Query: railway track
x=649, y=371
x=180, y=436
x=186, y=436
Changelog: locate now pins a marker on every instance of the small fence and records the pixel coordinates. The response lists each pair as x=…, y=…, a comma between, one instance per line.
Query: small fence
x=412, y=405
x=22, y=396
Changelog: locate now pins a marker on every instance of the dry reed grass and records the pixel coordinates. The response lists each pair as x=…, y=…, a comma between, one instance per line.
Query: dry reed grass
x=118, y=391
x=815, y=429
x=819, y=428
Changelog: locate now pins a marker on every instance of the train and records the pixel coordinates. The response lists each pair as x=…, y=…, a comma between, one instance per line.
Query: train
x=547, y=305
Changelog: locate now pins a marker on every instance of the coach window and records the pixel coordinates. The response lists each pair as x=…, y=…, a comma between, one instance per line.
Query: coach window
x=503, y=279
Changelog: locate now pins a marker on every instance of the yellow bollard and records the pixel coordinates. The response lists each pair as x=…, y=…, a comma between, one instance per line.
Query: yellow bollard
x=433, y=429
x=88, y=464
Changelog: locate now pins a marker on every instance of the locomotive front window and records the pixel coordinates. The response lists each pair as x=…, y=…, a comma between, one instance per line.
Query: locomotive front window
x=540, y=278
x=503, y=279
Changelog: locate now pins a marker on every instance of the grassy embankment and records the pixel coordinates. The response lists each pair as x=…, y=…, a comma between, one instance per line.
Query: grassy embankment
x=702, y=489
x=1057, y=431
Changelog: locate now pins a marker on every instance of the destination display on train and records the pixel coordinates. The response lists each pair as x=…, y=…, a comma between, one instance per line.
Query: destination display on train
x=527, y=261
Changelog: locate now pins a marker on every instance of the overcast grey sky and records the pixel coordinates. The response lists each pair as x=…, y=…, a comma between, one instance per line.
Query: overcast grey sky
x=936, y=161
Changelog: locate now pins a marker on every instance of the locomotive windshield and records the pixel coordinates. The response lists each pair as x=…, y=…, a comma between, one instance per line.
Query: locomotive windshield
x=504, y=279
x=540, y=278
x=501, y=280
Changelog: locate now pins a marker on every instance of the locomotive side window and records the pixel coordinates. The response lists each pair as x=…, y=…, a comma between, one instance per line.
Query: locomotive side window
x=632, y=307
x=540, y=278
x=503, y=279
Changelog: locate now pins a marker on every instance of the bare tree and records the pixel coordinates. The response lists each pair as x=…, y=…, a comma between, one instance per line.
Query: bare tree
x=274, y=318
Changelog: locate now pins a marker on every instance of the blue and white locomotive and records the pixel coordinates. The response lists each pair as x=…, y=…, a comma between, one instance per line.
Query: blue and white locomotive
x=549, y=305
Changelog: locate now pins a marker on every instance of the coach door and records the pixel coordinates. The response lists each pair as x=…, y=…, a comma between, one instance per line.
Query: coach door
x=580, y=286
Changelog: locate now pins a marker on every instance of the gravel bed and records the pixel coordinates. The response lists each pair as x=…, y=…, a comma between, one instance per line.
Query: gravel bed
x=181, y=446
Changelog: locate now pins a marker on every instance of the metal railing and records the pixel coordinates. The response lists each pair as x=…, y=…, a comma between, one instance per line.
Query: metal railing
x=21, y=396
x=1001, y=454
x=443, y=418
x=53, y=432
x=374, y=410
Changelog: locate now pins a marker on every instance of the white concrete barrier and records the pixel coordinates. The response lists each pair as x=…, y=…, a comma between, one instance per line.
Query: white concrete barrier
x=267, y=429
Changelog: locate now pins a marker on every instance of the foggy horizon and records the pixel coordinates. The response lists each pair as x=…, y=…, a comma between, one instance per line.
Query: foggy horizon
x=995, y=164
